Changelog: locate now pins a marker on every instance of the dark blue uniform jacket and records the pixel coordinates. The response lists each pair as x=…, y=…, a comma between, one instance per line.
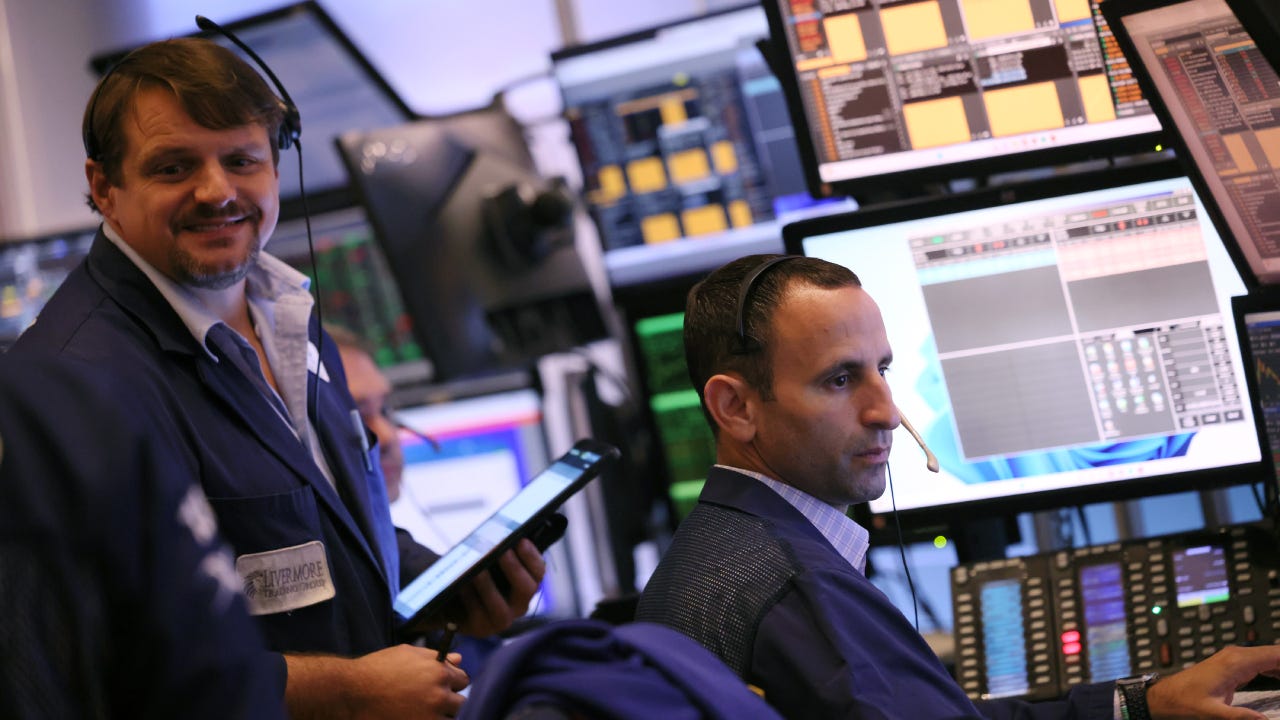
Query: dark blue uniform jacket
x=263, y=484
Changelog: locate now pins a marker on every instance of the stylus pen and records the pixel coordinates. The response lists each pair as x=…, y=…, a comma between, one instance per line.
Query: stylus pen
x=450, y=630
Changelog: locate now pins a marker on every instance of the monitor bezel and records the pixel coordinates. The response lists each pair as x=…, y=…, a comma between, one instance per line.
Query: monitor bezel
x=949, y=514
x=906, y=182
x=1114, y=11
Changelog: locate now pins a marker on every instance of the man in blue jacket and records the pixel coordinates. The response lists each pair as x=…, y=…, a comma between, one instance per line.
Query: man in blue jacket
x=788, y=355
x=119, y=598
x=183, y=140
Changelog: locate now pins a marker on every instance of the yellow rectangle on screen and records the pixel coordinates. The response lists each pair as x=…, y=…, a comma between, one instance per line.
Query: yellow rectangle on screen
x=1023, y=109
x=936, y=122
x=659, y=228
x=704, y=220
x=646, y=175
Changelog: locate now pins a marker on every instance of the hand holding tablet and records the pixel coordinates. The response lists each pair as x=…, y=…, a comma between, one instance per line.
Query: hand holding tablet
x=530, y=513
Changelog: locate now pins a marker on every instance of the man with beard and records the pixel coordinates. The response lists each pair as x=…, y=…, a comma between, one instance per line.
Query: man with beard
x=788, y=355
x=176, y=295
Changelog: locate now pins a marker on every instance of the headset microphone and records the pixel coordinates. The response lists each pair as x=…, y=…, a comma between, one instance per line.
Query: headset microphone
x=931, y=460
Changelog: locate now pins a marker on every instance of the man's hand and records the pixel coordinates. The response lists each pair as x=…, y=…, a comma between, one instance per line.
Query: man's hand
x=487, y=611
x=399, y=682
x=1205, y=690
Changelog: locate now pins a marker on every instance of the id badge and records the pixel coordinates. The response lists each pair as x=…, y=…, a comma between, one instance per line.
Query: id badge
x=281, y=580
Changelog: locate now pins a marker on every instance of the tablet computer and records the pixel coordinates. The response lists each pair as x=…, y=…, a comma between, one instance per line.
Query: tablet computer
x=520, y=516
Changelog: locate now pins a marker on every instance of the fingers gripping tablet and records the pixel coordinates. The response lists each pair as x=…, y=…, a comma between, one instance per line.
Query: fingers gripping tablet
x=530, y=513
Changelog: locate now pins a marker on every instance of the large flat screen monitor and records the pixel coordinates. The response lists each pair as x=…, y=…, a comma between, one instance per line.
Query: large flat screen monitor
x=30, y=270
x=886, y=93
x=1220, y=97
x=334, y=85
x=683, y=135
x=1063, y=343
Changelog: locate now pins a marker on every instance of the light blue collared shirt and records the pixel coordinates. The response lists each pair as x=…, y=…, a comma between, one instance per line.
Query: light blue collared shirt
x=280, y=306
x=849, y=538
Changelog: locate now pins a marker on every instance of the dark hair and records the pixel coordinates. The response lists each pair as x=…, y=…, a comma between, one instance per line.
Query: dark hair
x=213, y=85
x=711, y=341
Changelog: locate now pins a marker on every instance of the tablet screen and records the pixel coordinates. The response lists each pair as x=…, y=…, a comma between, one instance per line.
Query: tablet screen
x=543, y=494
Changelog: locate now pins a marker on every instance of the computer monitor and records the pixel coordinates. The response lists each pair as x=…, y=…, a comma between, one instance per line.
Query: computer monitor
x=481, y=245
x=1059, y=343
x=476, y=453
x=887, y=94
x=30, y=270
x=356, y=288
x=334, y=85
x=683, y=135
x=1257, y=317
x=682, y=443
x=1216, y=92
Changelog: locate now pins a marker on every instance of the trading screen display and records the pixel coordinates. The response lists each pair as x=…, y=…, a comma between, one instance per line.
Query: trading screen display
x=356, y=288
x=29, y=273
x=682, y=132
x=1007, y=664
x=686, y=443
x=1262, y=329
x=1106, y=636
x=1224, y=100
x=1050, y=345
x=1200, y=574
x=892, y=86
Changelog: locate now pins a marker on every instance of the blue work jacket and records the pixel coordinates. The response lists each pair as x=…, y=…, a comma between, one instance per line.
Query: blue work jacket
x=264, y=486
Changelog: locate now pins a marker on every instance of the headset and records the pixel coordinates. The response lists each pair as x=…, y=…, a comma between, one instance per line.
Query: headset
x=290, y=130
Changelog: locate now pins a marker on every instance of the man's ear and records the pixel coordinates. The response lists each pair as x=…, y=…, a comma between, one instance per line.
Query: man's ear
x=98, y=186
x=731, y=403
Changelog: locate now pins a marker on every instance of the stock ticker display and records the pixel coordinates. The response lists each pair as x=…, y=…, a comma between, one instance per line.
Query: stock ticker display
x=1263, y=330
x=889, y=86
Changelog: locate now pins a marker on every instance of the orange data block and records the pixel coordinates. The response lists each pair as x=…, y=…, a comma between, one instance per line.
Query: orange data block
x=1269, y=139
x=612, y=185
x=1240, y=154
x=1095, y=91
x=936, y=122
x=739, y=213
x=659, y=228
x=813, y=63
x=672, y=110
x=646, y=175
x=1072, y=10
x=689, y=165
x=844, y=37
x=992, y=18
x=704, y=220
x=1023, y=109
x=724, y=157
x=913, y=27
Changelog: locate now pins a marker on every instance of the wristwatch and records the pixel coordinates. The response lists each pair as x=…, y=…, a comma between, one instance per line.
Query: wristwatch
x=1133, y=695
